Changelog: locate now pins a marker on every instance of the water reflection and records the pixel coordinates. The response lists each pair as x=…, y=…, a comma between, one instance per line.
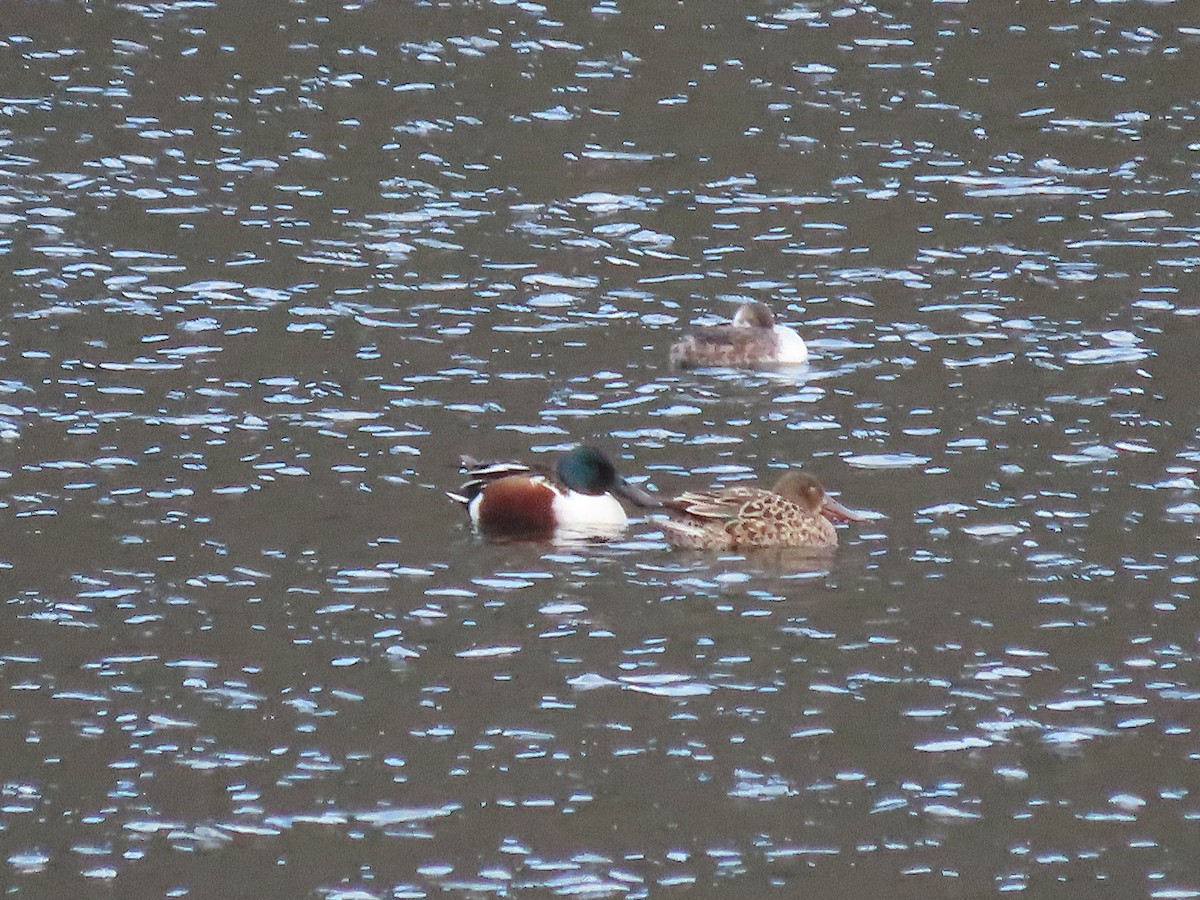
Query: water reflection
x=272, y=271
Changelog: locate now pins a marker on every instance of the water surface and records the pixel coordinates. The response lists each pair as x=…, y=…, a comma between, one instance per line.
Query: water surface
x=273, y=269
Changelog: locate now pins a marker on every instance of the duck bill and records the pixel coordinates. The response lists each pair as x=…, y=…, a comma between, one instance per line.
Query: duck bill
x=636, y=495
x=835, y=512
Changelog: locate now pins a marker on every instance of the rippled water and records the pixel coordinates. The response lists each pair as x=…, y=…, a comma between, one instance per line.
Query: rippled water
x=274, y=267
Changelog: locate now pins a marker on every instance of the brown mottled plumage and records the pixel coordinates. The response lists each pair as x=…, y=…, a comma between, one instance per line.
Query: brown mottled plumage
x=752, y=340
x=796, y=512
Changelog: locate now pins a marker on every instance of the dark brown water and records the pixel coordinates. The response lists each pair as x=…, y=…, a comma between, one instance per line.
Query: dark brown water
x=270, y=268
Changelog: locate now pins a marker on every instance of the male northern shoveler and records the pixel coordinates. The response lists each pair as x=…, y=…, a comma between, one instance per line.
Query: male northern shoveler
x=752, y=341
x=577, y=499
x=796, y=512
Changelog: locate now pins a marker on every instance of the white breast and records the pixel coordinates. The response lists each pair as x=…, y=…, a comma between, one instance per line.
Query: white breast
x=792, y=348
x=587, y=513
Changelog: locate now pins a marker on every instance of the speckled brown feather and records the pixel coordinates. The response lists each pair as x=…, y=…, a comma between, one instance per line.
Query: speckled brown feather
x=747, y=517
x=731, y=346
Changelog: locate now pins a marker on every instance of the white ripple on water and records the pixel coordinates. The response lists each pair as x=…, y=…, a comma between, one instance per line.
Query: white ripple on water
x=948, y=745
x=886, y=461
x=1096, y=356
x=1086, y=456
x=603, y=202
x=660, y=685
x=949, y=508
x=1187, y=511
x=494, y=652
x=949, y=813
x=554, y=280
x=993, y=531
x=405, y=814
x=667, y=685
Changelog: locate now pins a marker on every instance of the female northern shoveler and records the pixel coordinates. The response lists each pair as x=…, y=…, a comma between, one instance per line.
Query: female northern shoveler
x=577, y=499
x=795, y=513
x=753, y=340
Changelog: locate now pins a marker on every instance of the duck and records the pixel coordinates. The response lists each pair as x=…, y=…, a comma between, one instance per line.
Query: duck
x=753, y=340
x=579, y=498
x=796, y=513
